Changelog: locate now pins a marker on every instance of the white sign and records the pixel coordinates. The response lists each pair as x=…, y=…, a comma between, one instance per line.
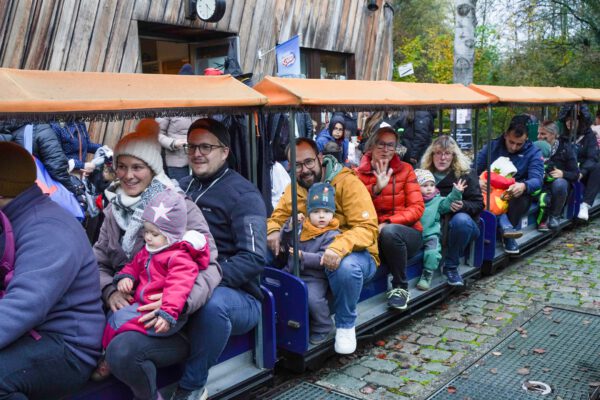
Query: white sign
x=405, y=70
x=461, y=116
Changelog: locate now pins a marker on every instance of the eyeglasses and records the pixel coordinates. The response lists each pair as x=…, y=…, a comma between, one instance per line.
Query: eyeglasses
x=384, y=145
x=205, y=148
x=309, y=163
x=441, y=154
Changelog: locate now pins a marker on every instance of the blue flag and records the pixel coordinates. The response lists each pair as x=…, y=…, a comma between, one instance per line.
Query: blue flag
x=288, y=57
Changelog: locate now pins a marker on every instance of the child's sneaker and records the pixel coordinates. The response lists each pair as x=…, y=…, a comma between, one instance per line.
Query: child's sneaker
x=425, y=281
x=398, y=298
x=318, y=338
x=102, y=371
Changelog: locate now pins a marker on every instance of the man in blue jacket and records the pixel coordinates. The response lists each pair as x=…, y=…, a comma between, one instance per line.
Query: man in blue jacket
x=528, y=160
x=52, y=319
x=237, y=217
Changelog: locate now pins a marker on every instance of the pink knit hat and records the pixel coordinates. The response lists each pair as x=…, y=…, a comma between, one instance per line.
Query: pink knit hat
x=168, y=212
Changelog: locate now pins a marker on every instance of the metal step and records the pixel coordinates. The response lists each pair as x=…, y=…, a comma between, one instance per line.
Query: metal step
x=306, y=391
x=556, y=351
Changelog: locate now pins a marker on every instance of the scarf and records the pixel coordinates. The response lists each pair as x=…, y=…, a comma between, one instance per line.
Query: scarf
x=554, y=148
x=309, y=231
x=128, y=210
x=432, y=195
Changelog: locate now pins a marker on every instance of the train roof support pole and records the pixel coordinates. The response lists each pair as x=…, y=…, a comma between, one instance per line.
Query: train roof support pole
x=476, y=134
x=292, y=133
x=489, y=156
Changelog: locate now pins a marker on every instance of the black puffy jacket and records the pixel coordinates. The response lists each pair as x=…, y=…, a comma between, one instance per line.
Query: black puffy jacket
x=586, y=149
x=47, y=148
x=418, y=132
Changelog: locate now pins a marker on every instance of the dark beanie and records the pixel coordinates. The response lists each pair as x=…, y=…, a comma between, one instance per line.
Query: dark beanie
x=321, y=195
x=186, y=69
x=17, y=169
x=214, y=127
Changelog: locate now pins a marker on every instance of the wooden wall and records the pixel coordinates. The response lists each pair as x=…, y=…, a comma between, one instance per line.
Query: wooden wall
x=102, y=35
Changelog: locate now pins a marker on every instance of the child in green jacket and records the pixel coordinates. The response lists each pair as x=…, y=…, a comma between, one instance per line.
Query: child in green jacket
x=435, y=206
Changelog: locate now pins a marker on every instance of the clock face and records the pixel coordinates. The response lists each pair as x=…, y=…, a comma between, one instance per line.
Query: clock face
x=210, y=10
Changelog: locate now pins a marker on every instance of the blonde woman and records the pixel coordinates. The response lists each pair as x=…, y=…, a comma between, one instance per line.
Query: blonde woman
x=448, y=164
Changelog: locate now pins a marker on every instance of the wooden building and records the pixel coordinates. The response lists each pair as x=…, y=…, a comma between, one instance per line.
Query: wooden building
x=340, y=39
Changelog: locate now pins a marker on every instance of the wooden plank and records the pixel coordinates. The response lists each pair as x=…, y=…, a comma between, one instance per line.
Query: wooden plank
x=61, y=40
x=5, y=18
x=118, y=36
x=261, y=10
x=285, y=27
x=357, y=29
x=359, y=46
x=235, y=18
x=174, y=12
x=157, y=10
x=350, y=26
x=223, y=24
x=17, y=35
x=99, y=40
x=141, y=9
x=246, y=29
x=320, y=32
x=311, y=27
x=334, y=26
x=80, y=43
x=131, y=56
x=37, y=40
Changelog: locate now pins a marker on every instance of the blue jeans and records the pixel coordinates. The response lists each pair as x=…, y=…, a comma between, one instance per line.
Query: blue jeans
x=559, y=189
x=346, y=282
x=461, y=231
x=43, y=369
x=228, y=312
x=133, y=358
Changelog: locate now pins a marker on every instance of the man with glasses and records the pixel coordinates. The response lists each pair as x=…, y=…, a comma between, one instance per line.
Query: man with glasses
x=352, y=257
x=236, y=215
x=515, y=145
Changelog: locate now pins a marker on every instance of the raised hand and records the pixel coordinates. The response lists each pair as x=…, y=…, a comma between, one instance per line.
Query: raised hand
x=383, y=174
x=460, y=185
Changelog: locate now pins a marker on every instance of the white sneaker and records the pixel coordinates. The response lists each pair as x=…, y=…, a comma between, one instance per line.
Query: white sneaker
x=583, y=212
x=345, y=340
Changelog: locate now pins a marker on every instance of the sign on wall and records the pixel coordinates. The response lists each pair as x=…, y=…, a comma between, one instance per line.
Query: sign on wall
x=288, y=57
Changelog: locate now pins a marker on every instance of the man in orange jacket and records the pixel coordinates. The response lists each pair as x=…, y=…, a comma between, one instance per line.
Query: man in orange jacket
x=352, y=257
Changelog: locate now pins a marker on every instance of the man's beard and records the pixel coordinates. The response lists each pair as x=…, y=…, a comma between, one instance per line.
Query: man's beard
x=305, y=184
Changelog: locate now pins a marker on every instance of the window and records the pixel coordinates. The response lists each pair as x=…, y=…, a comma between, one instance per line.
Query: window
x=318, y=64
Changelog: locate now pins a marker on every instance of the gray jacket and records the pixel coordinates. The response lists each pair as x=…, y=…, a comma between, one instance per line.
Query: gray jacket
x=171, y=129
x=111, y=257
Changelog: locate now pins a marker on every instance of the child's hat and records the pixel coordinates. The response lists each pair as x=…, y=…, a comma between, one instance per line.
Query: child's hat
x=503, y=166
x=544, y=147
x=321, y=195
x=424, y=176
x=168, y=212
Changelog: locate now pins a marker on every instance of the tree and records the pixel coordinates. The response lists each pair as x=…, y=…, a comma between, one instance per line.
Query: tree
x=464, y=40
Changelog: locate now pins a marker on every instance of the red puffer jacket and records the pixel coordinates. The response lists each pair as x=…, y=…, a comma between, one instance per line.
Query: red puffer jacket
x=400, y=202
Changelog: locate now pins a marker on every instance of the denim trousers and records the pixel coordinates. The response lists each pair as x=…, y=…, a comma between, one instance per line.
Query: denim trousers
x=228, y=312
x=133, y=358
x=397, y=244
x=560, y=190
x=43, y=369
x=462, y=230
x=346, y=283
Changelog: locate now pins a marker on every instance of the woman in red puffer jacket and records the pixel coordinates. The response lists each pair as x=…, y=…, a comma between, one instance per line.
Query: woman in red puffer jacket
x=399, y=204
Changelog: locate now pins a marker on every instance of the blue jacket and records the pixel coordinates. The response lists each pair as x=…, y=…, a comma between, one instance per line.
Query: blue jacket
x=528, y=161
x=237, y=218
x=55, y=283
x=325, y=137
x=75, y=141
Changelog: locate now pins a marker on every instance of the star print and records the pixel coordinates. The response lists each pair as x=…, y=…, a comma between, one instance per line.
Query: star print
x=161, y=212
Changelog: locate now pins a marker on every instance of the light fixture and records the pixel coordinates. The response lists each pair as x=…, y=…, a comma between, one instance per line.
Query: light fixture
x=372, y=5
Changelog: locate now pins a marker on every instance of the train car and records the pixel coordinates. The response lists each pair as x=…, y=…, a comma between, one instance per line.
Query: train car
x=249, y=360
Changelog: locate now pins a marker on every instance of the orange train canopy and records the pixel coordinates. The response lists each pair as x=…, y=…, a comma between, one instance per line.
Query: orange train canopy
x=324, y=93
x=100, y=94
x=527, y=94
x=591, y=95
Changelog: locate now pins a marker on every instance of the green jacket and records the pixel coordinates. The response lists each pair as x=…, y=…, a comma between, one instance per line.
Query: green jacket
x=434, y=208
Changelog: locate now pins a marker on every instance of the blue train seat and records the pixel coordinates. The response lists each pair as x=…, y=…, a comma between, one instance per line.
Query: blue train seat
x=247, y=361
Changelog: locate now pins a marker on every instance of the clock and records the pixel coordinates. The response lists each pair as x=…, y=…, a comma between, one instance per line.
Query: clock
x=210, y=10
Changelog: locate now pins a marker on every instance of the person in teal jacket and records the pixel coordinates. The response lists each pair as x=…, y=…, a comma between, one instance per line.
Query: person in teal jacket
x=435, y=206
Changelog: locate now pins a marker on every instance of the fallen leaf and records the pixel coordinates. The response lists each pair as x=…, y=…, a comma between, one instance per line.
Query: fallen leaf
x=556, y=321
x=367, y=390
x=594, y=384
x=546, y=369
x=381, y=356
x=380, y=343
x=520, y=329
x=554, y=334
x=494, y=370
x=523, y=371
x=586, y=322
x=539, y=351
x=496, y=353
x=499, y=318
x=570, y=245
x=403, y=337
x=524, y=336
x=451, y=389
x=548, y=309
x=398, y=346
x=524, y=352
x=511, y=346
